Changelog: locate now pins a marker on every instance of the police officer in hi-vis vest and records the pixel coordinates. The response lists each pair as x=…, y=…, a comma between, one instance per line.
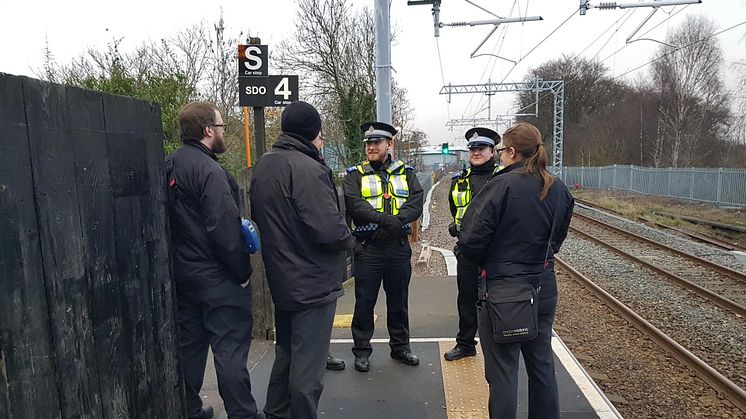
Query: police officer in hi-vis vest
x=382, y=198
x=465, y=185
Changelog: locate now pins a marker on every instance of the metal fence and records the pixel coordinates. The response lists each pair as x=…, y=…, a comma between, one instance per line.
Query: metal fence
x=720, y=186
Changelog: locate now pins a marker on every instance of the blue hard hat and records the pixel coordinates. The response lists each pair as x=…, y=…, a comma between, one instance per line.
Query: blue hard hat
x=250, y=236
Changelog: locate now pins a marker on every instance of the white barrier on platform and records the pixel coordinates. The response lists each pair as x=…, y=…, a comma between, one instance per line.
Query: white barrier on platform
x=450, y=259
x=426, y=207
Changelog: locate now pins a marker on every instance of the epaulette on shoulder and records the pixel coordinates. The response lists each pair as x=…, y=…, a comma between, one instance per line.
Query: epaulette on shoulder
x=351, y=169
x=455, y=175
x=410, y=168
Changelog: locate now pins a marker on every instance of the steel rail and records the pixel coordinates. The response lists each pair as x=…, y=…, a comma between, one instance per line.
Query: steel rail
x=693, y=234
x=718, y=299
x=718, y=381
x=703, y=238
x=738, y=276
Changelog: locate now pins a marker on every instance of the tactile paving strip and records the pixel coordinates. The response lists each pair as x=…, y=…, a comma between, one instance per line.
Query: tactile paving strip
x=464, y=385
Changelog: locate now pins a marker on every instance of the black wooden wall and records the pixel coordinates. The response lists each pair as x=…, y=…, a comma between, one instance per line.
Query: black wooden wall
x=86, y=297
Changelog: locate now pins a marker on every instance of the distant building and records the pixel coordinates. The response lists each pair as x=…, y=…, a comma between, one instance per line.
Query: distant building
x=432, y=158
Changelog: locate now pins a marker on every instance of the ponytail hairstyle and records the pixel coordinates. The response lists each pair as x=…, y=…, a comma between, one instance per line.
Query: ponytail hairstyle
x=526, y=140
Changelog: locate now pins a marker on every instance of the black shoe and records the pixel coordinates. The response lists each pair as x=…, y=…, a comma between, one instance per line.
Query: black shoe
x=362, y=363
x=406, y=357
x=204, y=413
x=459, y=352
x=334, y=364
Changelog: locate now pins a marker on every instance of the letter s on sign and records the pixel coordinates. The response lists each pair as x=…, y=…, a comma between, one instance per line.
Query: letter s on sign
x=253, y=58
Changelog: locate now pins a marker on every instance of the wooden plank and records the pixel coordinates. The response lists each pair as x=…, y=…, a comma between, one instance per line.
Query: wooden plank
x=166, y=377
x=91, y=157
x=129, y=177
x=27, y=376
x=425, y=254
x=262, y=306
x=63, y=250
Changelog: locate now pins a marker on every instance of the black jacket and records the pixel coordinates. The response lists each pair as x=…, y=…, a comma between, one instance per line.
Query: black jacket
x=206, y=238
x=295, y=206
x=506, y=227
x=362, y=213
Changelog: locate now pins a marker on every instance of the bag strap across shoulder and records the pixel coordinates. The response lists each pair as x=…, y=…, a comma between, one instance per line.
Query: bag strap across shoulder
x=551, y=233
x=554, y=224
x=483, y=274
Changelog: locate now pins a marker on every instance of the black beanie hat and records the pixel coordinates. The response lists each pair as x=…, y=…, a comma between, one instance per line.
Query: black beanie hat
x=302, y=119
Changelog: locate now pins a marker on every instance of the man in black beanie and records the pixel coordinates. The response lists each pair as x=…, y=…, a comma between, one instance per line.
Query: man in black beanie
x=295, y=206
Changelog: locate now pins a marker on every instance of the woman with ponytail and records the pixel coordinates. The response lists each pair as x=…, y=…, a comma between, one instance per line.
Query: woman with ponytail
x=512, y=228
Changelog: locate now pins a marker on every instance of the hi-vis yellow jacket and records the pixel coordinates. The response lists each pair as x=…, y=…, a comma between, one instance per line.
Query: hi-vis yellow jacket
x=371, y=194
x=461, y=192
x=377, y=190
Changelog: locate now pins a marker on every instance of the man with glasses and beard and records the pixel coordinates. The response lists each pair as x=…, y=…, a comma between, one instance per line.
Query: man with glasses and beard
x=464, y=186
x=211, y=266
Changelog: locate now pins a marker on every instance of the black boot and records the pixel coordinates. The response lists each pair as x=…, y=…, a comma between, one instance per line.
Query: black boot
x=334, y=364
x=362, y=363
x=459, y=352
x=406, y=357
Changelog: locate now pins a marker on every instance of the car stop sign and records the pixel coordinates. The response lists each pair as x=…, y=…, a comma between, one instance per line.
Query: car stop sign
x=267, y=91
x=253, y=60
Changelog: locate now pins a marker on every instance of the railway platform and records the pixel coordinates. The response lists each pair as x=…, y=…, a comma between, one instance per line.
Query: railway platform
x=434, y=389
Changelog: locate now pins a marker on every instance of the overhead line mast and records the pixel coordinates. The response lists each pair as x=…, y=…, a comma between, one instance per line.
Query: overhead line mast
x=656, y=4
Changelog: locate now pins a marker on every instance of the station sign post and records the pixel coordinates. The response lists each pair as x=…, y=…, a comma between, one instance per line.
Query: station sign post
x=258, y=89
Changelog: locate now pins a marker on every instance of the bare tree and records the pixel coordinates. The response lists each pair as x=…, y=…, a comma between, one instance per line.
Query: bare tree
x=693, y=101
x=333, y=47
x=196, y=63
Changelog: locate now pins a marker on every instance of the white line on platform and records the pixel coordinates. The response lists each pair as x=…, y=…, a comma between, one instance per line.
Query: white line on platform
x=450, y=259
x=426, y=207
x=411, y=340
x=595, y=396
x=598, y=401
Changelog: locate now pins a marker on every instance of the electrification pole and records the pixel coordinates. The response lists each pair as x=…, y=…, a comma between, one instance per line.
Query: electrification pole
x=383, y=61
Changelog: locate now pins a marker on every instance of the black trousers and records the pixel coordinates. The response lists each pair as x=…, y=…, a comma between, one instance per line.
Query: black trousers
x=297, y=377
x=467, y=279
x=219, y=316
x=390, y=264
x=501, y=368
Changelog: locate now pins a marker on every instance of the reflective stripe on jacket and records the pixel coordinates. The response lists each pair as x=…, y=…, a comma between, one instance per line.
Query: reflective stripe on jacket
x=393, y=186
x=461, y=193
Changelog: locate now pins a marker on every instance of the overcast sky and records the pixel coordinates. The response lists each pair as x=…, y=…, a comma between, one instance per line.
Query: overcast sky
x=73, y=26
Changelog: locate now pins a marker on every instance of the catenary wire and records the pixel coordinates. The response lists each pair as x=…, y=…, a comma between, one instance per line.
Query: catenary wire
x=646, y=32
x=604, y=32
x=539, y=44
x=680, y=48
x=612, y=35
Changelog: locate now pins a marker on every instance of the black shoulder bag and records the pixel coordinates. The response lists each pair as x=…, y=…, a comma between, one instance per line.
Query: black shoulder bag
x=513, y=304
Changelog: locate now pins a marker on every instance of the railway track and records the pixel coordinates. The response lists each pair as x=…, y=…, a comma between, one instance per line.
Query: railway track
x=732, y=391
x=664, y=271
x=703, y=238
x=721, y=285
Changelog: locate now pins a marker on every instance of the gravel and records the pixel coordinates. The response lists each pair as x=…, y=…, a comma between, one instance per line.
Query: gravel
x=702, y=250
x=713, y=334
x=637, y=375
x=436, y=234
